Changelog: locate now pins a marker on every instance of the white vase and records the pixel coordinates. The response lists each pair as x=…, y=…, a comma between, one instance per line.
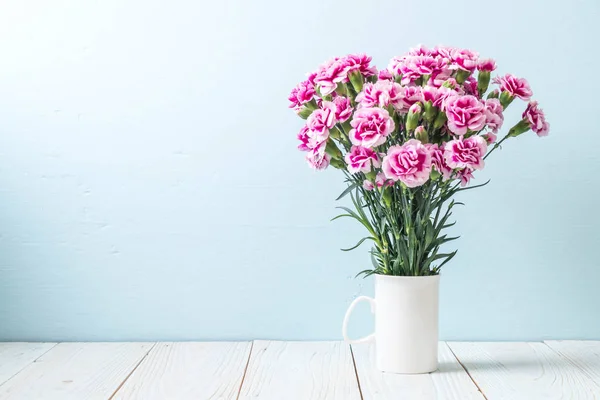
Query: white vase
x=406, y=323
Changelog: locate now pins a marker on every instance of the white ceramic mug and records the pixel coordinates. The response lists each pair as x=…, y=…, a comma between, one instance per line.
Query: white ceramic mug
x=406, y=323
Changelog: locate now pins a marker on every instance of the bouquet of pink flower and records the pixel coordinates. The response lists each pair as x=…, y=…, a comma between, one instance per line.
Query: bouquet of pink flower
x=408, y=138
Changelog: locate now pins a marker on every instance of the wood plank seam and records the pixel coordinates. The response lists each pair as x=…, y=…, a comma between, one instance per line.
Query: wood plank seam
x=245, y=370
x=466, y=370
x=34, y=361
x=572, y=362
x=356, y=373
x=132, y=371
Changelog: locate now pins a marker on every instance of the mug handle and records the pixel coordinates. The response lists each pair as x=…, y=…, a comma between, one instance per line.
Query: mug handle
x=347, y=317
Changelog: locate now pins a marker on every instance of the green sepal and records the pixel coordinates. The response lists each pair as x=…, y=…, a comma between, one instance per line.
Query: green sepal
x=339, y=164
x=357, y=80
x=430, y=111
x=333, y=150
x=521, y=127
x=386, y=194
x=461, y=76
x=505, y=99
x=440, y=120
x=483, y=82
x=305, y=112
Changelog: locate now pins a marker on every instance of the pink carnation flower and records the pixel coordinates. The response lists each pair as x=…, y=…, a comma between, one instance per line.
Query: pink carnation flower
x=465, y=176
x=380, y=94
x=465, y=153
x=319, y=123
x=493, y=114
x=490, y=137
x=420, y=50
x=330, y=74
x=440, y=76
x=302, y=93
x=536, y=119
x=408, y=71
x=317, y=158
x=486, y=65
x=368, y=185
x=464, y=113
x=409, y=163
x=470, y=86
x=443, y=52
x=425, y=65
x=438, y=161
x=437, y=95
x=304, y=139
x=318, y=161
x=370, y=127
x=360, y=63
x=381, y=180
x=343, y=108
x=384, y=74
x=413, y=67
x=337, y=70
x=361, y=159
x=516, y=87
x=396, y=64
x=464, y=59
x=409, y=96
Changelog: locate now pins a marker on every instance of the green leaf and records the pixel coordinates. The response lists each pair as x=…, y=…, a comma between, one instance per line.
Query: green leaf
x=346, y=191
x=340, y=216
x=374, y=261
x=367, y=272
x=447, y=259
x=472, y=187
x=359, y=243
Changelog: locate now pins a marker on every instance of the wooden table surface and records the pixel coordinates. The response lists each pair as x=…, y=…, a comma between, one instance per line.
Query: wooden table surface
x=273, y=370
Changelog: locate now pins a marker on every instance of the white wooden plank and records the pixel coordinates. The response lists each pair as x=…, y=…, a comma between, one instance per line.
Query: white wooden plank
x=16, y=356
x=450, y=381
x=584, y=354
x=527, y=371
x=189, y=371
x=300, y=371
x=76, y=371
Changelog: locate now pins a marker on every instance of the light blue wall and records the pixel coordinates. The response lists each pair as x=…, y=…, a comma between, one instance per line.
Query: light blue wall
x=150, y=187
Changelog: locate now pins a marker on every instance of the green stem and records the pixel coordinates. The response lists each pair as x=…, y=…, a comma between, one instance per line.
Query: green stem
x=496, y=146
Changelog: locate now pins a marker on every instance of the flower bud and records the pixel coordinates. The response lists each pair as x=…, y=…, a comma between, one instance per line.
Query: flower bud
x=414, y=114
x=430, y=111
x=440, y=120
x=371, y=175
x=333, y=151
x=304, y=112
x=450, y=83
x=421, y=134
x=461, y=76
x=346, y=126
x=335, y=133
x=483, y=82
x=434, y=174
x=342, y=89
x=521, y=127
x=490, y=137
x=494, y=94
x=312, y=104
x=505, y=99
x=356, y=79
x=386, y=194
x=339, y=164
